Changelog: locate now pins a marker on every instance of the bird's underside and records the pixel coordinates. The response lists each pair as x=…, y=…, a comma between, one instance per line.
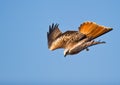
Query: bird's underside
x=75, y=41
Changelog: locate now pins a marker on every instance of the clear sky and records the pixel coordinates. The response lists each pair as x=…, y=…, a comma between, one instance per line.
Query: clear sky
x=24, y=55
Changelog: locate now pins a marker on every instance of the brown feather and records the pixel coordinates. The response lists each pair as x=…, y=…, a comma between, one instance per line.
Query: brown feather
x=57, y=39
x=64, y=39
x=53, y=33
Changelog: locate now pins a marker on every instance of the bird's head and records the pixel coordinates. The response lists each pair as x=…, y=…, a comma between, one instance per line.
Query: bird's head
x=66, y=52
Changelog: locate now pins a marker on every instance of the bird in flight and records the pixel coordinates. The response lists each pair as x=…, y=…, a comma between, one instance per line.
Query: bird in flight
x=75, y=41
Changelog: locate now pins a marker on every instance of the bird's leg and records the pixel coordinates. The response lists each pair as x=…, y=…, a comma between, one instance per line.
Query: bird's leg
x=98, y=42
x=83, y=45
x=92, y=42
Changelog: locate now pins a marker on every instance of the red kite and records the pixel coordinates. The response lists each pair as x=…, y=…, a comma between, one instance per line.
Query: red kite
x=75, y=41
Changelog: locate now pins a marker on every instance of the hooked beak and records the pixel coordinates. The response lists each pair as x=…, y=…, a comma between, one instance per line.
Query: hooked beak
x=65, y=55
x=66, y=52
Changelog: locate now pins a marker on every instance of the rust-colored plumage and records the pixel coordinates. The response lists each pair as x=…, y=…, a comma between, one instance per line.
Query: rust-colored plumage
x=75, y=41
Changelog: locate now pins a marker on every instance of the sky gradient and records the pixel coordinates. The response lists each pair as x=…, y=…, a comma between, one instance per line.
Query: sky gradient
x=24, y=54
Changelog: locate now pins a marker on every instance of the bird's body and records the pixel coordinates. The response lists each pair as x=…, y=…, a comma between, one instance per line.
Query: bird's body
x=75, y=41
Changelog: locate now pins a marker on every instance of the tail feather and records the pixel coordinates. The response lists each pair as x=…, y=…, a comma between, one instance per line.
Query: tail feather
x=93, y=30
x=85, y=28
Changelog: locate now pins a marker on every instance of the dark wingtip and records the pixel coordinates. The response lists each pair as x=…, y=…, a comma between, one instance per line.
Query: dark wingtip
x=52, y=27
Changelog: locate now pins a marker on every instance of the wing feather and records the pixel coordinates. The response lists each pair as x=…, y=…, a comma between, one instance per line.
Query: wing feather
x=53, y=33
x=63, y=39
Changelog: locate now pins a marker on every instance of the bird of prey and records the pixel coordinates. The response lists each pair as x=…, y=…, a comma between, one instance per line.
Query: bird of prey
x=75, y=41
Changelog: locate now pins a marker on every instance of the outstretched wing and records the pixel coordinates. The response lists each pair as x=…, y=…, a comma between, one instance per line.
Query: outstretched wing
x=53, y=33
x=57, y=39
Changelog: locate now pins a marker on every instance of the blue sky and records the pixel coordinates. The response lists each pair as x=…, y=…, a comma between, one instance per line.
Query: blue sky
x=24, y=55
